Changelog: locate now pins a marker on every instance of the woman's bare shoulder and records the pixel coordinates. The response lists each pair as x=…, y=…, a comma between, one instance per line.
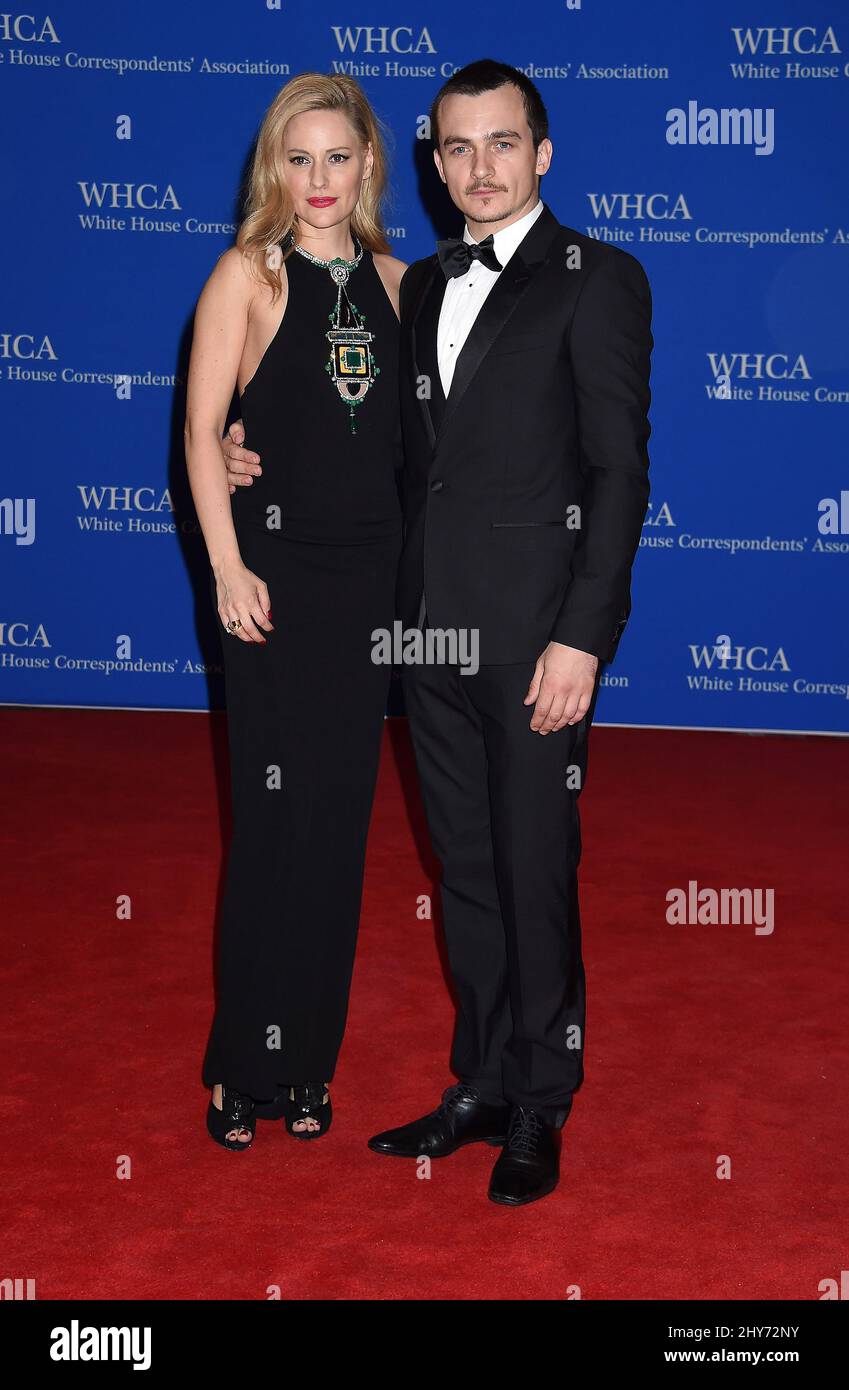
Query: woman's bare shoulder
x=232, y=267
x=236, y=274
x=389, y=268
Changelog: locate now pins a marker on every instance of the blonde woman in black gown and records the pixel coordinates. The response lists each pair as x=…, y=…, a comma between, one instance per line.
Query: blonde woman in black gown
x=301, y=317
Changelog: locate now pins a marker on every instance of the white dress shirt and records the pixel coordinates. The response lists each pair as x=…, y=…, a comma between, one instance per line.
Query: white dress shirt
x=464, y=294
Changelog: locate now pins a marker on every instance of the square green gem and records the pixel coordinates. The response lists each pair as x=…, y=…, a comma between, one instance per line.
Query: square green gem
x=353, y=359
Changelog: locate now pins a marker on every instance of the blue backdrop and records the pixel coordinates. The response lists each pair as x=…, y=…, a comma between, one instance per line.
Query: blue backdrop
x=127, y=132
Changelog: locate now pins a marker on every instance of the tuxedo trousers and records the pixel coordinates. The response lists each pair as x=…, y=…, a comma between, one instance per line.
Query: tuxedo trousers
x=502, y=808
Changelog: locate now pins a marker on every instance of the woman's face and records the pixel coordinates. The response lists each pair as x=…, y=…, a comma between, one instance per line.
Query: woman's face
x=325, y=166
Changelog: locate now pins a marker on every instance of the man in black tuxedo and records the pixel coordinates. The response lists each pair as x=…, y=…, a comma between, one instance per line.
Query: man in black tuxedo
x=525, y=356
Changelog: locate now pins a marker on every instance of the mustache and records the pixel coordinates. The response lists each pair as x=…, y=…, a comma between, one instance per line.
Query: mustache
x=486, y=188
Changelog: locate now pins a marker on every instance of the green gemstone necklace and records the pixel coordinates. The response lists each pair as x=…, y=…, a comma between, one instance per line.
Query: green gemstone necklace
x=351, y=366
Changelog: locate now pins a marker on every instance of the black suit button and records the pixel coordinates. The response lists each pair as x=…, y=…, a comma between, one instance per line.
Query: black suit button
x=437, y=485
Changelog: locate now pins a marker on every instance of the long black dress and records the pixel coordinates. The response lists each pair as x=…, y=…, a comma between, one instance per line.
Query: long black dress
x=305, y=712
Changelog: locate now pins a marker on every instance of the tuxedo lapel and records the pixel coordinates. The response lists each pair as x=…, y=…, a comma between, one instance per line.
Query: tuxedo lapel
x=425, y=323
x=499, y=304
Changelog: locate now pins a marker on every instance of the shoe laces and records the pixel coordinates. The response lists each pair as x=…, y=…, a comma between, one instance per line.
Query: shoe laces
x=525, y=1129
x=456, y=1095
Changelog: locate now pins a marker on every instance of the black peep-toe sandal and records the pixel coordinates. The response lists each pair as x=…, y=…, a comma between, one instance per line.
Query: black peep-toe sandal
x=309, y=1102
x=237, y=1112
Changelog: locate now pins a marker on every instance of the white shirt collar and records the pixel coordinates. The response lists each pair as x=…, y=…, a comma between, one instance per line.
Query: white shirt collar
x=505, y=241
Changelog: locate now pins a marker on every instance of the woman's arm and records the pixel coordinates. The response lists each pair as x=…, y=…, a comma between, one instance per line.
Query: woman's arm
x=220, y=330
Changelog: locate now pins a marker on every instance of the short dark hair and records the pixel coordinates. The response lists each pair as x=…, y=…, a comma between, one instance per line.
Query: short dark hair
x=486, y=75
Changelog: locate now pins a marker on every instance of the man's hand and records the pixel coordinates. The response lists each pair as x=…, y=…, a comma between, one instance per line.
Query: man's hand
x=240, y=463
x=561, y=688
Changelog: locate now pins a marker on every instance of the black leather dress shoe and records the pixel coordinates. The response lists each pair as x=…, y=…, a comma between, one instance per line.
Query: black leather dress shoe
x=462, y=1118
x=529, y=1164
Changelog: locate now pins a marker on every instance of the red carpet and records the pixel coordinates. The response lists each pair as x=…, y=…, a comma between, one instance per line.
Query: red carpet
x=702, y=1041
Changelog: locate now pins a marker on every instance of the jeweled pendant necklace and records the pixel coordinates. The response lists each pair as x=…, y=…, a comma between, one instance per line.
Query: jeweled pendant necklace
x=351, y=366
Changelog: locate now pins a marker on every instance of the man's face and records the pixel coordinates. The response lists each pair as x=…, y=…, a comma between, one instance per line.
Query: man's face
x=486, y=156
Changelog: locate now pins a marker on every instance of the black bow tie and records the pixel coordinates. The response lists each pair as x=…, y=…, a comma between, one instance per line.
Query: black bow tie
x=456, y=255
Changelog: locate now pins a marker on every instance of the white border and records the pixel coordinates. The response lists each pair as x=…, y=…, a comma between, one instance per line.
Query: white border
x=597, y=723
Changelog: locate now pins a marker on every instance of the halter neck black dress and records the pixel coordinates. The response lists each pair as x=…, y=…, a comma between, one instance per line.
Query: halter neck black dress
x=322, y=527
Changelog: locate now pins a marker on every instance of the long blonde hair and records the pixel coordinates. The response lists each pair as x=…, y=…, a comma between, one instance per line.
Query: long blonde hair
x=270, y=212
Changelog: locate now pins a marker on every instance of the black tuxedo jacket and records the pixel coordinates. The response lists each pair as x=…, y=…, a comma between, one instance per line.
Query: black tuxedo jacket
x=525, y=491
